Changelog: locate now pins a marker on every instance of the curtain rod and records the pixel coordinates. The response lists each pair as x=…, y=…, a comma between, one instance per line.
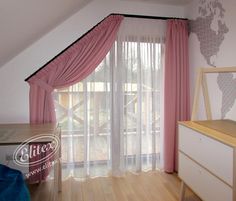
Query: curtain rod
x=125, y=15
x=149, y=17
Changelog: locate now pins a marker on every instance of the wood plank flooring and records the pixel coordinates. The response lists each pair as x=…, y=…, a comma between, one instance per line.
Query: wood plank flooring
x=148, y=186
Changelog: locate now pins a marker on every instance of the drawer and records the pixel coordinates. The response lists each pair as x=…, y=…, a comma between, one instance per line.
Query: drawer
x=213, y=155
x=205, y=185
x=6, y=158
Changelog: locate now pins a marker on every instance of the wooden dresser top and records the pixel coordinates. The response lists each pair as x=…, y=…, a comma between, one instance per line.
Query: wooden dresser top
x=221, y=130
x=18, y=133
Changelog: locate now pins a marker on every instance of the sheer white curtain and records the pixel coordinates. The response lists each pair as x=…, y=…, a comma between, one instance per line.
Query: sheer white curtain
x=112, y=120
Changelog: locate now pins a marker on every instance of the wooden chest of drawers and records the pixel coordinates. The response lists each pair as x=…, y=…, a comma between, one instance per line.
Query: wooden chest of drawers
x=207, y=159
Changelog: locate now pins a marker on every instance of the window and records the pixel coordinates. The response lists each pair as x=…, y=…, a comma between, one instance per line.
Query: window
x=111, y=120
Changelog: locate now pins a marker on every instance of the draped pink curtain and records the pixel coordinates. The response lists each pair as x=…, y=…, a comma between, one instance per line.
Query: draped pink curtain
x=176, y=88
x=41, y=175
x=72, y=66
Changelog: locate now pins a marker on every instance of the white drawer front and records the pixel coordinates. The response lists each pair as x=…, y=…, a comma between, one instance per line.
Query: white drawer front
x=6, y=158
x=204, y=184
x=213, y=155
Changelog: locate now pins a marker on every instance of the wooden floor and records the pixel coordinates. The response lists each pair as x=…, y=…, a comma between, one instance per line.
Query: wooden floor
x=149, y=186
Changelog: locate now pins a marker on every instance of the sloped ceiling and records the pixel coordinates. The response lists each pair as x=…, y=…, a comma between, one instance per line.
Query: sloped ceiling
x=22, y=22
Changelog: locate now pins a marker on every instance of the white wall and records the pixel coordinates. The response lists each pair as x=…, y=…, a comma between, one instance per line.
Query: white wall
x=14, y=104
x=225, y=56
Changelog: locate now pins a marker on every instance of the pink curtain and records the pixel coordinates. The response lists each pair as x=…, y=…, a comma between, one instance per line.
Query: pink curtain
x=38, y=176
x=72, y=66
x=176, y=88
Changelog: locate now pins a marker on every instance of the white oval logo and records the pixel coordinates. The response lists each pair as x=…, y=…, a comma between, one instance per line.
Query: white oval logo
x=36, y=150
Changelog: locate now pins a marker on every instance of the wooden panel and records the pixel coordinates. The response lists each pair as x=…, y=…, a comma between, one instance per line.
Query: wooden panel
x=213, y=155
x=196, y=95
x=18, y=133
x=227, y=126
x=219, y=70
x=206, y=97
x=207, y=186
